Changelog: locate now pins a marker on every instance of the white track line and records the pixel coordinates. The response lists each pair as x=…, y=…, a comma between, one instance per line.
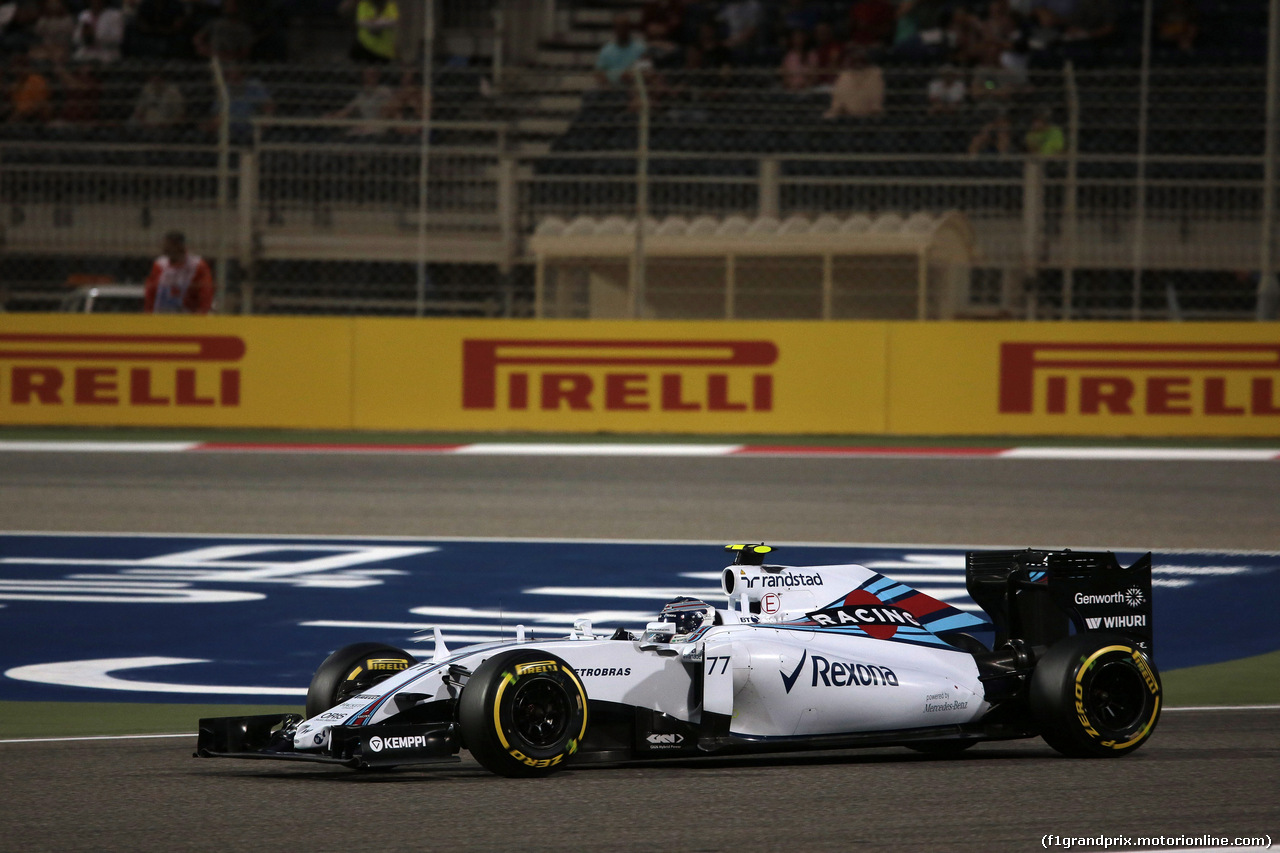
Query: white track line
x=1164, y=454
x=98, y=446
x=1224, y=707
x=664, y=449
x=91, y=737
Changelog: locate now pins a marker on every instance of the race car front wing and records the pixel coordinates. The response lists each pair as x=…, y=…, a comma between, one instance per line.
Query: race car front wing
x=270, y=736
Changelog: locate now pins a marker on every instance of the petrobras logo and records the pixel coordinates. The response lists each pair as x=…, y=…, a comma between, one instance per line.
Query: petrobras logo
x=1220, y=380
x=605, y=672
x=575, y=375
x=121, y=371
x=1133, y=597
x=782, y=580
x=825, y=672
x=378, y=744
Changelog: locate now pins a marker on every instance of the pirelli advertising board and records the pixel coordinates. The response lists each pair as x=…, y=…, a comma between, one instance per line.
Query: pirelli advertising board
x=621, y=376
x=696, y=377
x=174, y=371
x=1085, y=379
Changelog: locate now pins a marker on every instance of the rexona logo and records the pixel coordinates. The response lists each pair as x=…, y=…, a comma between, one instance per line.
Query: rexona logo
x=832, y=673
x=120, y=370
x=864, y=610
x=618, y=376
x=1220, y=380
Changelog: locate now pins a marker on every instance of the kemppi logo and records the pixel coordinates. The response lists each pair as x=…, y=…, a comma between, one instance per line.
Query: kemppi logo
x=1230, y=380
x=140, y=370
x=590, y=375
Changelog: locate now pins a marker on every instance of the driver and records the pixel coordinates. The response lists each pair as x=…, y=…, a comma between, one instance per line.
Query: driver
x=688, y=615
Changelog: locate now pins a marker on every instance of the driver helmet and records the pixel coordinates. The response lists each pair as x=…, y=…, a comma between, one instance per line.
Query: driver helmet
x=688, y=615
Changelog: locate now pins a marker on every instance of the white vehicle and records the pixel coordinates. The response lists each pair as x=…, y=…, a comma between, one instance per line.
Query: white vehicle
x=105, y=298
x=800, y=658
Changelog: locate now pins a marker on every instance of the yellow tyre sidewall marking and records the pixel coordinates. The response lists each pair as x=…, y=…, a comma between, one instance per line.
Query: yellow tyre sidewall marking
x=1132, y=654
x=507, y=679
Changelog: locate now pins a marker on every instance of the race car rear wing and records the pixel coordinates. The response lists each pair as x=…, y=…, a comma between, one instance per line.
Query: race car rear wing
x=1037, y=596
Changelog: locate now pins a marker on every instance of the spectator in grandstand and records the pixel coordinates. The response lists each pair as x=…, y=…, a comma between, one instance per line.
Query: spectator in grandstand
x=159, y=104
x=377, y=23
x=1178, y=24
x=800, y=15
x=991, y=84
x=919, y=32
x=371, y=105
x=157, y=30
x=827, y=54
x=99, y=33
x=30, y=97
x=947, y=92
x=1045, y=138
x=871, y=23
x=81, y=94
x=742, y=20
x=993, y=137
x=406, y=101
x=711, y=55
x=663, y=20
x=620, y=53
x=54, y=31
x=999, y=26
x=798, y=64
x=248, y=97
x=859, y=88
x=17, y=22
x=227, y=36
x=180, y=282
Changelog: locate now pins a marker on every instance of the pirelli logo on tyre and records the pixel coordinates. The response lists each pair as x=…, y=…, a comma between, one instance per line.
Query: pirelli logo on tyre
x=1124, y=380
x=587, y=375
x=536, y=667
x=120, y=371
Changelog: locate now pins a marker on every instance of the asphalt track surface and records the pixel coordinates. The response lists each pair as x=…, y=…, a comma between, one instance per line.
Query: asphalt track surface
x=1214, y=773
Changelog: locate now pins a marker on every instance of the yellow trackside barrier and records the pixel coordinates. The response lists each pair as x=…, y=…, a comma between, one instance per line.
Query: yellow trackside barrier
x=620, y=376
x=174, y=371
x=1085, y=379
x=660, y=377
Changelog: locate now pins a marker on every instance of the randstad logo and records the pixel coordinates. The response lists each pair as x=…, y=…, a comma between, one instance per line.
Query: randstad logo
x=1221, y=380
x=618, y=376
x=120, y=370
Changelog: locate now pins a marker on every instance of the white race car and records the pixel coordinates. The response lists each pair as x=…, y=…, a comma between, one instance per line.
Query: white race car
x=800, y=658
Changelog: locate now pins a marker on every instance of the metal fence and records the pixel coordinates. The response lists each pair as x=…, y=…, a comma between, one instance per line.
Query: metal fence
x=313, y=203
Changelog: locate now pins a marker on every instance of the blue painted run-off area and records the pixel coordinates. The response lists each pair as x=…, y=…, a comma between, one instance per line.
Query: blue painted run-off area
x=247, y=619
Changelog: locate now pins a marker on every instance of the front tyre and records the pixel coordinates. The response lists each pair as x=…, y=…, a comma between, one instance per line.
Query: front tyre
x=350, y=671
x=523, y=713
x=1095, y=696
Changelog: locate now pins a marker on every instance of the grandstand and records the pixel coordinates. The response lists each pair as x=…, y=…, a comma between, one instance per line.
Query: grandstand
x=310, y=213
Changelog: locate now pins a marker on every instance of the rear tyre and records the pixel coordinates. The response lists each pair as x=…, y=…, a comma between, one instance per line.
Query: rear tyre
x=1095, y=696
x=523, y=713
x=350, y=671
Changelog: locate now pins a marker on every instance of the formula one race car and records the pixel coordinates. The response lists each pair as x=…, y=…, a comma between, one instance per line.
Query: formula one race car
x=801, y=658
